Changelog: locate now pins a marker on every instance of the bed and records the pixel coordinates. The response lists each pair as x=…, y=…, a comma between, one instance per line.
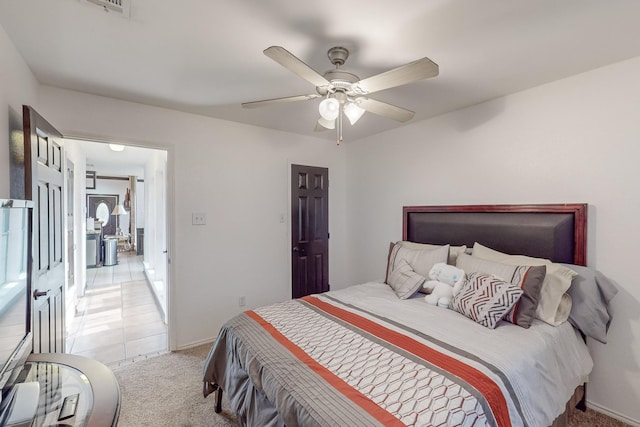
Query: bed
x=363, y=356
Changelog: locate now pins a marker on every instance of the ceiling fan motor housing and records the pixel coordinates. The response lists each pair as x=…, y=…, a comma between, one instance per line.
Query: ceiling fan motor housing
x=340, y=81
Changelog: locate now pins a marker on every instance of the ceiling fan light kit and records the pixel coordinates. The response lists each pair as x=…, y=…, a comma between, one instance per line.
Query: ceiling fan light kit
x=344, y=92
x=329, y=108
x=353, y=112
x=327, y=124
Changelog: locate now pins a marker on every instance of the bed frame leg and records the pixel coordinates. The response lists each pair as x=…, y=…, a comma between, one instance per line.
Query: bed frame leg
x=582, y=403
x=218, y=400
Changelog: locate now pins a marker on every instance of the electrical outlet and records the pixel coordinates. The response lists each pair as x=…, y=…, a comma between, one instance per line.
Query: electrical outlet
x=198, y=219
x=242, y=302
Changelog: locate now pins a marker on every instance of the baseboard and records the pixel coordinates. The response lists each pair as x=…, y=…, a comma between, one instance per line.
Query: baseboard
x=612, y=414
x=149, y=280
x=196, y=344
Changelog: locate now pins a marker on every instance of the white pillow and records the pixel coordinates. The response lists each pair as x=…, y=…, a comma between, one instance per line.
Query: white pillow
x=553, y=307
x=404, y=281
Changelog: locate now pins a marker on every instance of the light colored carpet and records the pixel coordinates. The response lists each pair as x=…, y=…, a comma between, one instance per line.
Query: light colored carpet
x=166, y=390
x=593, y=418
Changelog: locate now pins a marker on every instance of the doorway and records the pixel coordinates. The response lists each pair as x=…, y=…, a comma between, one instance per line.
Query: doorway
x=119, y=315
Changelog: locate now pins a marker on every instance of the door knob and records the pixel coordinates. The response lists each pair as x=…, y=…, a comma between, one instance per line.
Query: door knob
x=37, y=294
x=296, y=249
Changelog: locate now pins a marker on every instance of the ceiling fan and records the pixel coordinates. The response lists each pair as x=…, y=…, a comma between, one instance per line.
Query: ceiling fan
x=344, y=92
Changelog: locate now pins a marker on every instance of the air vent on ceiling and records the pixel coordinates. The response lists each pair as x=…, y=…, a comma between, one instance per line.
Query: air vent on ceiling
x=118, y=6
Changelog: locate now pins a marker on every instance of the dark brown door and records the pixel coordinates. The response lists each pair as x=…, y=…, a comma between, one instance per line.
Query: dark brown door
x=94, y=203
x=309, y=230
x=44, y=184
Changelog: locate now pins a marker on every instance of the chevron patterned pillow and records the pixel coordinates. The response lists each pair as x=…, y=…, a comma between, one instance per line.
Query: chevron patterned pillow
x=485, y=298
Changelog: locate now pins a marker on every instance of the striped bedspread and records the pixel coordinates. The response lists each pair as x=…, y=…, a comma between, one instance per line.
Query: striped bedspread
x=362, y=357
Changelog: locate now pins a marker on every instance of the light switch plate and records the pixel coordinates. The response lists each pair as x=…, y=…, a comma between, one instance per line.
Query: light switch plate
x=198, y=219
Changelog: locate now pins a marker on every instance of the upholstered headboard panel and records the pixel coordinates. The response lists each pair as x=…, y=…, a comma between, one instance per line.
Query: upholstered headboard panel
x=556, y=232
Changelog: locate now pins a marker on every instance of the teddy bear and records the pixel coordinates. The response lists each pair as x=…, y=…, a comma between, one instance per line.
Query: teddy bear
x=446, y=281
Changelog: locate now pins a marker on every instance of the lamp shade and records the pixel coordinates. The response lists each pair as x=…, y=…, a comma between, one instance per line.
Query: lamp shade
x=329, y=108
x=119, y=210
x=353, y=112
x=328, y=124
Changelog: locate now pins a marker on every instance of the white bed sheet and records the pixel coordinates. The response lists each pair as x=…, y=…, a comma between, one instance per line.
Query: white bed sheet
x=544, y=364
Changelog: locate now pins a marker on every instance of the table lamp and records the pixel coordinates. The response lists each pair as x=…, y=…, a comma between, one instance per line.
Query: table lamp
x=117, y=211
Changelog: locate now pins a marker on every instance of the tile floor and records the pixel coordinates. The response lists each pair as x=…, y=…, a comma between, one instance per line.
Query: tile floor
x=117, y=320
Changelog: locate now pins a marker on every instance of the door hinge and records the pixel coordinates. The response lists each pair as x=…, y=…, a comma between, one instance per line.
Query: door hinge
x=328, y=235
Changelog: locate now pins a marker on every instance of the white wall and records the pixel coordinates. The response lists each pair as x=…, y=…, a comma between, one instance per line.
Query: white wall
x=18, y=86
x=238, y=176
x=575, y=140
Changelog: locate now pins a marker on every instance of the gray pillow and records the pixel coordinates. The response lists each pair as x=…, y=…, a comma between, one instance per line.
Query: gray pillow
x=420, y=261
x=591, y=293
x=404, y=281
x=453, y=250
x=527, y=278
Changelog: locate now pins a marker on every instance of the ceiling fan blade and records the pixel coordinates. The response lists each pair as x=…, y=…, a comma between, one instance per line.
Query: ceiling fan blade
x=285, y=58
x=255, y=104
x=386, y=110
x=408, y=73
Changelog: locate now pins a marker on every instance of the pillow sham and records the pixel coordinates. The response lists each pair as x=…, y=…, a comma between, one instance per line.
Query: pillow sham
x=420, y=261
x=485, y=299
x=527, y=278
x=453, y=250
x=404, y=281
x=591, y=292
x=552, y=308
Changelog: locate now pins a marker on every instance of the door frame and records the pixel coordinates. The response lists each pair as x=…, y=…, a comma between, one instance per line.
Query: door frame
x=289, y=221
x=170, y=214
x=71, y=247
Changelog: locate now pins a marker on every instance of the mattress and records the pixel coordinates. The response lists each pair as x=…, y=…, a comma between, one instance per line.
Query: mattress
x=360, y=356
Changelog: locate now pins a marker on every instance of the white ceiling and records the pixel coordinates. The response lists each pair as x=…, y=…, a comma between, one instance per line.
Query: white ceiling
x=206, y=56
x=103, y=160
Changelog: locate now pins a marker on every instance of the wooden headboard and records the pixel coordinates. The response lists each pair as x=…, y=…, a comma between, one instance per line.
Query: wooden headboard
x=553, y=231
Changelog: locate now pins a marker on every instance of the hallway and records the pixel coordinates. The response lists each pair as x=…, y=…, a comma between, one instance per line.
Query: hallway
x=117, y=320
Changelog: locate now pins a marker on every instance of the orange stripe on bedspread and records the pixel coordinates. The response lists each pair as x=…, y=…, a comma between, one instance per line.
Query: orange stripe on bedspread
x=354, y=395
x=481, y=382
